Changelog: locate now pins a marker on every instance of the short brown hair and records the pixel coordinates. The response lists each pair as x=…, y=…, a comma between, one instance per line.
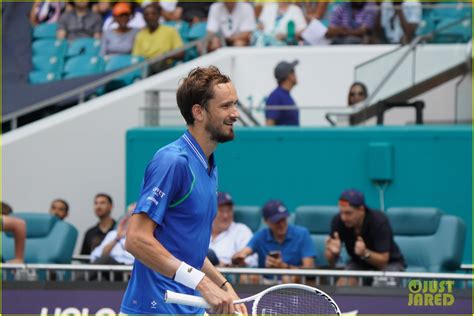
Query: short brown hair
x=6, y=209
x=198, y=88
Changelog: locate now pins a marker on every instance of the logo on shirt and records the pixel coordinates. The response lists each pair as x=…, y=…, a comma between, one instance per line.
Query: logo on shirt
x=150, y=198
x=158, y=193
x=153, y=304
x=190, y=269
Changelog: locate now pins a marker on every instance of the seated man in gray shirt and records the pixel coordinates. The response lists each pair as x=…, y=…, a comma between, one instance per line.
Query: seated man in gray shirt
x=81, y=22
x=120, y=40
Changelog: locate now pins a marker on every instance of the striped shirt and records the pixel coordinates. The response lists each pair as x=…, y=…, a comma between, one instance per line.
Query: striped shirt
x=346, y=16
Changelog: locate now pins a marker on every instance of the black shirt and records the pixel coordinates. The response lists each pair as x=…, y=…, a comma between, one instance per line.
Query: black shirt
x=93, y=238
x=376, y=233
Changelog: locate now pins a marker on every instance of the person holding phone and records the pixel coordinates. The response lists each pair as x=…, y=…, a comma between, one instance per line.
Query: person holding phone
x=281, y=245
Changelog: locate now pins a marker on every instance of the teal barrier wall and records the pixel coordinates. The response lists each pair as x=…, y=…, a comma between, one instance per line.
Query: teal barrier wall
x=425, y=166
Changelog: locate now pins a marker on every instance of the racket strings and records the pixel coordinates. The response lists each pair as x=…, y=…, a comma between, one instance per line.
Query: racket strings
x=293, y=301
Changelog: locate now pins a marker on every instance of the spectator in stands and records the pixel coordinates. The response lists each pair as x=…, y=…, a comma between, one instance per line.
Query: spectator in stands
x=17, y=227
x=120, y=40
x=6, y=209
x=315, y=10
x=234, y=21
x=352, y=23
x=103, y=8
x=399, y=20
x=367, y=235
x=193, y=12
x=228, y=237
x=112, y=249
x=59, y=208
x=136, y=21
x=156, y=39
x=79, y=23
x=281, y=245
x=286, y=79
x=103, y=209
x=283, y=21
x=46, y=12
x=357, y=93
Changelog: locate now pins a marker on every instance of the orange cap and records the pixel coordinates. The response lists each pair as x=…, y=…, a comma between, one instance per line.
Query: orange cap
x=121, y=8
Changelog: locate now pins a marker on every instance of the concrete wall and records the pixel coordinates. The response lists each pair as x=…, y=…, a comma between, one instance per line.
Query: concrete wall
x=424, y=165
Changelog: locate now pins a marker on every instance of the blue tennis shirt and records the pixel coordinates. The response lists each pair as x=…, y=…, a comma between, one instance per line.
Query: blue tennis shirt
x=282, y=97
x=179, y=194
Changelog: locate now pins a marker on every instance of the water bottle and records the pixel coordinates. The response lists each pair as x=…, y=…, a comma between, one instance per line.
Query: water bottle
x=291, y=39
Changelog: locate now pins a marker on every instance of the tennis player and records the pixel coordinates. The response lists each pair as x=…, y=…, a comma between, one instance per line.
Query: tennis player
x=170, y=229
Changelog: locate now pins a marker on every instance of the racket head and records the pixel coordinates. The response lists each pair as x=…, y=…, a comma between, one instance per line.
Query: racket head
x=294, y=299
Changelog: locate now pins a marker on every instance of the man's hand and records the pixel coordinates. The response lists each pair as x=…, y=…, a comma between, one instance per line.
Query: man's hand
x=221, y=301
x=334, y=244
x=238, y=259
x=360, y=247
x=241, y=308
x=272, y=262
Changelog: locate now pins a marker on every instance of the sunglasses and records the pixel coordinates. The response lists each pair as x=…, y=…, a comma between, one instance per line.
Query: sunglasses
x=360, y=94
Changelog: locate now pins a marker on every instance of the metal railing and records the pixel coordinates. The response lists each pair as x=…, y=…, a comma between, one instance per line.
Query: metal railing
x=87, y=272
x=410, y=48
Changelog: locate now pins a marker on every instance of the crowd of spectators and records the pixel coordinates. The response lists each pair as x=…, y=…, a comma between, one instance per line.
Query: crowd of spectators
x=132, y=27
x=365, y=232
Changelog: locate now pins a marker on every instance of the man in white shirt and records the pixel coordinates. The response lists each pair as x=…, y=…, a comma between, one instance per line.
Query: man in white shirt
x=228, y=237
x=235, y=21
x=275, y=18
x=399, y=20
x=112, y=249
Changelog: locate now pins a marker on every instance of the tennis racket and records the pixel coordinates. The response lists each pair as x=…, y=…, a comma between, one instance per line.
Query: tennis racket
x=283, y=299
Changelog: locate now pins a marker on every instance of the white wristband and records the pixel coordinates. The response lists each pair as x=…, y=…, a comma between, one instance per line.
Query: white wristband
x=188, y=276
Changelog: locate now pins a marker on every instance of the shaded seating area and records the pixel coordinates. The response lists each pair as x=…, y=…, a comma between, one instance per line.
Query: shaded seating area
x=430, y=240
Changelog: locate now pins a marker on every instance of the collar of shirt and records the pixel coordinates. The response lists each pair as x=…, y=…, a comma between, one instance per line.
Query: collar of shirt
x=197, y=150
x=289, y=234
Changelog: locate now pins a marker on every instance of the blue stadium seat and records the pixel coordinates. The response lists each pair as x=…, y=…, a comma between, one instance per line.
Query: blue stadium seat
x=458, y=33
x=84, y=46
x=123, y=61
x=197, y=31
x=248, y=215
x=45, y=31
x=37, y=77
x=181, y=26
x=49, y=47
x=83, y=66
x=429, y=240
x=48, y=63
x=48, y=239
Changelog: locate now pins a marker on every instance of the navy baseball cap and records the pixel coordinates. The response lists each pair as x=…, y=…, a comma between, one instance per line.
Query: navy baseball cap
x=283, y=69
x=354, y=197
x=274, y=210
x=224, y=198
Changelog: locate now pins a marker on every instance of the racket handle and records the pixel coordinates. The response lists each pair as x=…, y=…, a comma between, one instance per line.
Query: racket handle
x=184, y=299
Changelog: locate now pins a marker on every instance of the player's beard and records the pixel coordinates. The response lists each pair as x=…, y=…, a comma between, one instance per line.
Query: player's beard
x=217, y=135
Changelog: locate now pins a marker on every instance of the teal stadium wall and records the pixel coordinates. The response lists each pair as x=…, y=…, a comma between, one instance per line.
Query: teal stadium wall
x=428, y=166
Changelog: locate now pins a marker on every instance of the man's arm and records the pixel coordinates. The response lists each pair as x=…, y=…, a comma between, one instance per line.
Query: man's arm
x=408, y=28
x=18, y=227
x=141, y=243
x=376, y=259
